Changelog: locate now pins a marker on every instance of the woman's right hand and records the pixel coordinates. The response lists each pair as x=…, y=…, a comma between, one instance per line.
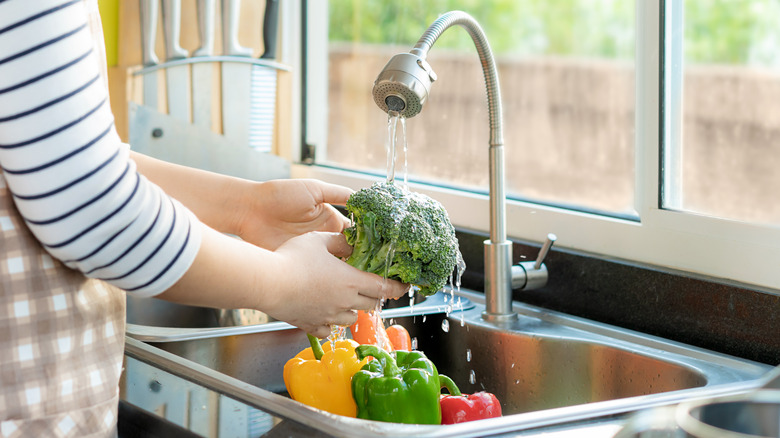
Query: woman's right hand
x=304, y=282
x=316, y=289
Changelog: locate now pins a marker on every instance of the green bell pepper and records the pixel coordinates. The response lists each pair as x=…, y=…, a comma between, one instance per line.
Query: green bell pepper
x=404, y=389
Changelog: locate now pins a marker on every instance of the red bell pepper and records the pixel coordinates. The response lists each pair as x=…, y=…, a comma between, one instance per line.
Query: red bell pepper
x=458, y=408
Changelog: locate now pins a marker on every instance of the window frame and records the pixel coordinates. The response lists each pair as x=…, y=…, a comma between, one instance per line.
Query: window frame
x=724, y=250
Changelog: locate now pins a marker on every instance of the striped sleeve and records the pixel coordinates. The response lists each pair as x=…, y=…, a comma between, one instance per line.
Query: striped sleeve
x=71, y=177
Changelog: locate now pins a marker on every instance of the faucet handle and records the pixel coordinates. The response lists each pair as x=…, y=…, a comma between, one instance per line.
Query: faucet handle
x=548, y=243
x=533, y=275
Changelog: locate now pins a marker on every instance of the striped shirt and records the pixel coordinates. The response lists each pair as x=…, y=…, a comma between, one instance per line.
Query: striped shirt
x=70, y=175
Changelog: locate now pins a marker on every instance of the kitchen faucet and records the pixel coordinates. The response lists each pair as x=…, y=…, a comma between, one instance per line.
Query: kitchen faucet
x=402, y=87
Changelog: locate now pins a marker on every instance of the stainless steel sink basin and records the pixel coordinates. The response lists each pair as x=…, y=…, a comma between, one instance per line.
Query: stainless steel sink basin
x=546, y=368
x=534, y=364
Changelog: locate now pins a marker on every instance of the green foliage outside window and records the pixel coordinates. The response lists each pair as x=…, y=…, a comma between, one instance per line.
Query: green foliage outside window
x=716, y=31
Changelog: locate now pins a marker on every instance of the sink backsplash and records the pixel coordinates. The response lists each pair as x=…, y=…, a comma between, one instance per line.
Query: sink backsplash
x=729, y=318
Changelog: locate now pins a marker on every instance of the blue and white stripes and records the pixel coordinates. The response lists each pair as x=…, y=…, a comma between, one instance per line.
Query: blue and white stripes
x=71, y=176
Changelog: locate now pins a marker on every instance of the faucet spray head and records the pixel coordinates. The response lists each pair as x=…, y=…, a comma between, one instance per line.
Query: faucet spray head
x=403, y=85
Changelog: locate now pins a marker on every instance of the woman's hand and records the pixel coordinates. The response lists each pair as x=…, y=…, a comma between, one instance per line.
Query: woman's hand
x=281, y=209
x=304, y=282
x=262, y=213
x=320, y=289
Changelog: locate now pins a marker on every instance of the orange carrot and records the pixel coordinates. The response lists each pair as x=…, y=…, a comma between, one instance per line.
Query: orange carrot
x=369, y=329
x=399, y=337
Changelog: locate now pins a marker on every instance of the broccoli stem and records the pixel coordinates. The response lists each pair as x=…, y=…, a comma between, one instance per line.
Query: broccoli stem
x=361, y=252
x=381, y=258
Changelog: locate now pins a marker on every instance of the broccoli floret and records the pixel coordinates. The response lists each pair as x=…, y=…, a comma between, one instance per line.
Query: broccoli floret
x=401, y=235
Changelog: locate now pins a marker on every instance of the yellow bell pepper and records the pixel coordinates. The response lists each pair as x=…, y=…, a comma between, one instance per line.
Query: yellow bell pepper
x=321, y=377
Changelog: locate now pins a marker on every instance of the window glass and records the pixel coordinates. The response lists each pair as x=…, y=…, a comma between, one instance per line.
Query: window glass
x=726, y=147
x=566, y=69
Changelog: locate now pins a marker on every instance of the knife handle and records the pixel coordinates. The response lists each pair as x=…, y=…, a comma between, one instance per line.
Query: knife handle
x=270, y=28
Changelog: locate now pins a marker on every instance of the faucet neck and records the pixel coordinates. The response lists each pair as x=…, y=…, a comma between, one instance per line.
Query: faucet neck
x=498, y=250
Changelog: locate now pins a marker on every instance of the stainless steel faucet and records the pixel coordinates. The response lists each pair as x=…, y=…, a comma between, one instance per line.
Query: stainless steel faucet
x=403, y=87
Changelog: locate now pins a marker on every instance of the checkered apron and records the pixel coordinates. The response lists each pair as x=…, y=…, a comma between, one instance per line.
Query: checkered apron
x=61, y=341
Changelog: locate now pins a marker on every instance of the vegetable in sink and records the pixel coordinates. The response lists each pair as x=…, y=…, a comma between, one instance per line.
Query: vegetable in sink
x=401, y=235
x=368, y=382
x=370, y=330
x=460, y=408
x=404, y=389
x=320, y=376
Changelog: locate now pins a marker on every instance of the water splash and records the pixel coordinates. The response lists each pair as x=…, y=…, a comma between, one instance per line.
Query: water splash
x=337, y=333
x=460, y=268
x=377, y=317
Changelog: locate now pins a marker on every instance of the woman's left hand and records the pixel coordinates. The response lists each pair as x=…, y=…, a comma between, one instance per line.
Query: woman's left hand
x=282, y=209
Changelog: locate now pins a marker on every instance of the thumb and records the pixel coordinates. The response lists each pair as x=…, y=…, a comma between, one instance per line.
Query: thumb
x=336, y=244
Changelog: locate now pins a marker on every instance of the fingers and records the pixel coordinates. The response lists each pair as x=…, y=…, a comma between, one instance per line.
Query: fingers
x=319, y=332
x=332, y=193
x=345, y=318
x=377, y=287
x=394, y=289
x=363, y=302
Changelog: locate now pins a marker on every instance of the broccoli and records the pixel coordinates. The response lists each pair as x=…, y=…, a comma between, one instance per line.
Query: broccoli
x=401, y=235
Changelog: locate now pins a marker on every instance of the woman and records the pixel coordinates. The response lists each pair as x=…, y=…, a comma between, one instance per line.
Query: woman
x=82, y=219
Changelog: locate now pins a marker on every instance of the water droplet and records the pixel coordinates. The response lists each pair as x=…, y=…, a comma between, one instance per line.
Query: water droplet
x=517, y=382
x=468, y=355
x=424, y=317
x=445, y=325
x=472, y=377
x=513, y=364
x=414, y=343
x=337, y=333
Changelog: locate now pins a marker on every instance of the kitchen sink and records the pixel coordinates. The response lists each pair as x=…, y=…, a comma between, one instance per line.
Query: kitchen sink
x=545, y=367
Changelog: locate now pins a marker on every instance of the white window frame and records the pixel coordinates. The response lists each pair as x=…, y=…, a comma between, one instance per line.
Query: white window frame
x=724, y=250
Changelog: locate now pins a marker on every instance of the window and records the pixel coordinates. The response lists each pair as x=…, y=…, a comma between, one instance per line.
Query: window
x=566, y=73
x=724, y=157
x=620, y=131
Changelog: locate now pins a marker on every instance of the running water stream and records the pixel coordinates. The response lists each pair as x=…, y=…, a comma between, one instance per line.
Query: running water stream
x=395, y=140
x=394, y=119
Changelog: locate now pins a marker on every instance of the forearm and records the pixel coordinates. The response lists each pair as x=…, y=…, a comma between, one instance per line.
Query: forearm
x=227, y=273
x=217, y=200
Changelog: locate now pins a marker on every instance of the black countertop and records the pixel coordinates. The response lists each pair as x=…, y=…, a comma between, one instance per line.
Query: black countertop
x=725, y=317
